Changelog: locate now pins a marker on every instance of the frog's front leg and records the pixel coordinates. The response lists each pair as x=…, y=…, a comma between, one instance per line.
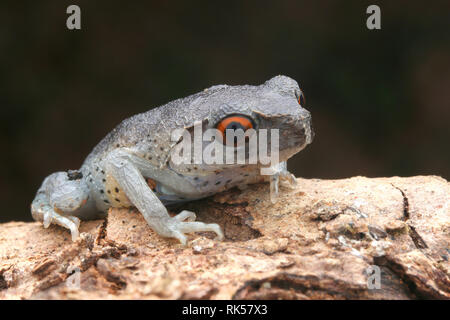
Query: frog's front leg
x=279, y=172
x=126, y=168
x=58, y=199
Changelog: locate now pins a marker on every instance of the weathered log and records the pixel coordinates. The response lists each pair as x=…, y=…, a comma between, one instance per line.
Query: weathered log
x=323, y=239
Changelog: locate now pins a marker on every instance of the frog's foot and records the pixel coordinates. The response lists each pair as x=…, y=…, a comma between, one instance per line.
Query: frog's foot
x=280, y=174
x=286, y=176
x=48, y=216
x=185, y=222
x=69, y=222
x=60, y=196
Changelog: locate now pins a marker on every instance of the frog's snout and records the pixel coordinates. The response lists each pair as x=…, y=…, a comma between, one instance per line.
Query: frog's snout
x=298, y=133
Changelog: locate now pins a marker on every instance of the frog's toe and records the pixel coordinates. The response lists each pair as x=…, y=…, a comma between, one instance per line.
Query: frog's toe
x=185, y=215
x=196, y=226
x=274, y=181
x=69, y=222
x=288, y=177
x=180, y=236
x=180, y=226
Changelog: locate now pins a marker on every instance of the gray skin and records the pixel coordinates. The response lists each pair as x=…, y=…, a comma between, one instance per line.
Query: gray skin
x=115, y=172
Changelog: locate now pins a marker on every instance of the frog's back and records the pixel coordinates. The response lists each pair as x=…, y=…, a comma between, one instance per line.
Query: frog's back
x=154, y=126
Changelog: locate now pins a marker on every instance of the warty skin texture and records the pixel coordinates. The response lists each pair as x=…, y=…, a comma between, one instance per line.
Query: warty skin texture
x=132, y=165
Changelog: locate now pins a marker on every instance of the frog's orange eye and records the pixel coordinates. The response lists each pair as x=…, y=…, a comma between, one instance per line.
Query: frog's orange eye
x=233, y=123
x=301, y=99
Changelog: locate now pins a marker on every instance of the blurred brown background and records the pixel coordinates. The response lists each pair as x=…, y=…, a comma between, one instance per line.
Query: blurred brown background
x=380, y=100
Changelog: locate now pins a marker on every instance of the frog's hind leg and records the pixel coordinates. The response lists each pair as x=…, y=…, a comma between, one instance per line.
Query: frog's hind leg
x=61, y=194
x=127, y=169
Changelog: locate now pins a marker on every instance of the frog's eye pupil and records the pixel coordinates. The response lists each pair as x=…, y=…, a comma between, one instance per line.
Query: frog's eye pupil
x=235, y=126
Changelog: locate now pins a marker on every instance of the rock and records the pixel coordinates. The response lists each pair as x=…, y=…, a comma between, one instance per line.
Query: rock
x=323, y=239
x=395, y=227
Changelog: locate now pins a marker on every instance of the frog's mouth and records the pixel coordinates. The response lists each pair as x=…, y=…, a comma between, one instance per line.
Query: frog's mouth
x=292, y=141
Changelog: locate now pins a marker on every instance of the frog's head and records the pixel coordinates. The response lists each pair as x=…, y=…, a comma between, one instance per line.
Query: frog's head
x=282, y=107
x=276, y=104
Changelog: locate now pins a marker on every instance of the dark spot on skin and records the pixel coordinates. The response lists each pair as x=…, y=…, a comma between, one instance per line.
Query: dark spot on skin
x=105, y=201
x=96, y=169
x=189, y=169
x=117, y=145
x=104, y=180
x=217, y=172
x=195, y=178
x=218, y=182
x=229, y=180
x=161, y=148
x=74, y=175
x=109, y=191
x=116, y=189
x=195, y=168
x=117, y=200
x=101, y=191
x=205, y=183
x=103, y=172
x=150, y=158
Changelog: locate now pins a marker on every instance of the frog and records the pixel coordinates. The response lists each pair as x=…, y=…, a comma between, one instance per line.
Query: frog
x=134, y=165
